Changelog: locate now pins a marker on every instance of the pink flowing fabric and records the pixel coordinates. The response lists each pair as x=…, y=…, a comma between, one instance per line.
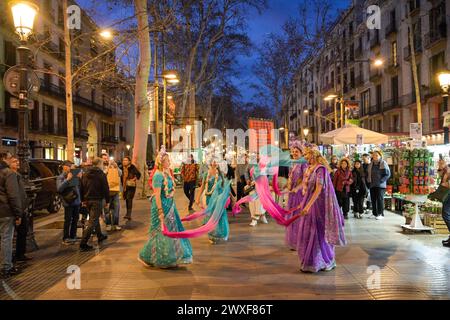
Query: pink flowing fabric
x=201, y=214
x=222, y=203
x=237, y=207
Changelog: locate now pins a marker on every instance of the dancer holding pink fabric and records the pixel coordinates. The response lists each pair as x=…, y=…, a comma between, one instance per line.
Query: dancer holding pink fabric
x=321, y=226
x=295, y=194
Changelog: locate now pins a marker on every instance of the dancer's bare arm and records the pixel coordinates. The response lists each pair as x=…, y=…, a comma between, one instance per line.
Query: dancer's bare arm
x=199, y=194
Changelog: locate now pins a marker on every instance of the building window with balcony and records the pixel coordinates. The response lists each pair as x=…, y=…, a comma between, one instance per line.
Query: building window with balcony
x=437, y=63
x=62, y=122
x=365, y=102
x=77, y=123
x=394, y=54
x=34, y=116
x=395, y=123
x=394, y=88
x=48, y=118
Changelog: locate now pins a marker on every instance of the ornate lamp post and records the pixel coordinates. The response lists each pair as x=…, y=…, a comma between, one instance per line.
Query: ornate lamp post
x=444, y=81
x=24, y=13
x=169, y=77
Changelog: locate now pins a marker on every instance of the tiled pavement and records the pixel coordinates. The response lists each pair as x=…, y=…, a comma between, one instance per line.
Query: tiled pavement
x=254, y=264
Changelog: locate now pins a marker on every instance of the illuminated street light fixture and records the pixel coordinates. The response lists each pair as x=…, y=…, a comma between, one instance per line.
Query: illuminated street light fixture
x=306, y=132
x=330, y=97
x=306, y=111
x=444, y=82
x=106, y=34
x=24, y=13
x=378, y=62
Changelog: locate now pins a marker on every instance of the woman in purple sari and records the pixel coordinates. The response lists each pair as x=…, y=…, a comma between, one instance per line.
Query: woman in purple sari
x=321, y=226
x=295, y=194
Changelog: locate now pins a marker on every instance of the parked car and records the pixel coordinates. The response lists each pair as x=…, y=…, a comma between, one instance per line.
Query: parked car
x=43, y=172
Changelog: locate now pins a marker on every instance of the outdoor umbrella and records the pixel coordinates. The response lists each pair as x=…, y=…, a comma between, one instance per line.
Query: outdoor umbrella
x=349, y=135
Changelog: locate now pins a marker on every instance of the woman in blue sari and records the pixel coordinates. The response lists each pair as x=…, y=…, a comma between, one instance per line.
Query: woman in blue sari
x=213, y=184
x=161, y=251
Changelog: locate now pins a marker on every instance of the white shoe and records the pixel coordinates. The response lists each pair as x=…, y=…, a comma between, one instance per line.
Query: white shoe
x=117, y=228
x=379, y=217
x=108, y=228
x=253, y=223
x=264, y=219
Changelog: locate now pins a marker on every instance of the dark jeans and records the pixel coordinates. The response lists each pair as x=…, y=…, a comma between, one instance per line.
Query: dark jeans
x=344, y=201
x=189, y=191
x=71, y=216
x=21, y=237
x=95, y=208
x=446, y=212
x=128, y=195
x=240, y=189
x=6, y=235
x=358, y=203
x=377, y=198
x=113, y=210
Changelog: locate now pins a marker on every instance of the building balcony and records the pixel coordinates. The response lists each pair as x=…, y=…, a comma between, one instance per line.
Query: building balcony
x=391, y=29
x=327, y=87
x=293, y=116
x=61, y=132
x=92, y=105
x=437, y=124
x=53, y=89
x=407, y=50
x=375, y=75
x=358, y=52
x=359, y=81
x=123, y=139
x=110, y=139
x=375, y=109
x=391, y=104
x=395, y=129
x=414, y=7
x=408, y=99
x=48, y=129
x=393, y=64
x=82, y=134
x=435, y=37
x=374, y=42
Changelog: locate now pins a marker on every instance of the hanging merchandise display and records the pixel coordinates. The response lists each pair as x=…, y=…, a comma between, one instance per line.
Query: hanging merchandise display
x=416, y=172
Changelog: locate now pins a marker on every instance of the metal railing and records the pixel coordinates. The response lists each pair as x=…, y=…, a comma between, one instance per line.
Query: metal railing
x=391, y=104
x=374, y=109
x=110, y=139
x=434, y=36
x=417, y=48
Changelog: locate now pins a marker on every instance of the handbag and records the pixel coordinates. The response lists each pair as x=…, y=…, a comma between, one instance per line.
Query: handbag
x=131, y=183
x=441, y=194
x=69, y=195
x=249, y=189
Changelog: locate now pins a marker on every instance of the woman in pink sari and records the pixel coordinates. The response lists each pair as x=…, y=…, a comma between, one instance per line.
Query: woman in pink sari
x=321, y=226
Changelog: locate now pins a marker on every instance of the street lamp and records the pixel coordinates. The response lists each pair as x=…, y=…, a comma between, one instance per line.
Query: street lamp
x=171, y=77
x=305, y=133
x=106, y=34
x=24, y=13
x=128, y=148
x=444, y=81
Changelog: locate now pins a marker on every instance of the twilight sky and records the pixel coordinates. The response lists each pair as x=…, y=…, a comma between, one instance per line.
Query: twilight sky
x=270, y=21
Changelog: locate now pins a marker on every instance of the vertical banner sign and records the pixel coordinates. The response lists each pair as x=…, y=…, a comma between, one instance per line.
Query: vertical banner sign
x=447, y=119
x=359, y=139
x=415, y=131
x=260, y=133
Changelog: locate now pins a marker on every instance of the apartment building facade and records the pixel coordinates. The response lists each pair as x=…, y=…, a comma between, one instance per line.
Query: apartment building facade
x=381, y=98
x=101, y=115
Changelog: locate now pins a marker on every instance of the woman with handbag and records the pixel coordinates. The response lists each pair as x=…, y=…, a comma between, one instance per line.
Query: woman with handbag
x=113, y=174
x=444, y=174
x=342, y=180
x=68, y=187
x=130, y=176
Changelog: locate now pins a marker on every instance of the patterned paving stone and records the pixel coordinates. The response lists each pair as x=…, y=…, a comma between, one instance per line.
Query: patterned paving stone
x=254, y=264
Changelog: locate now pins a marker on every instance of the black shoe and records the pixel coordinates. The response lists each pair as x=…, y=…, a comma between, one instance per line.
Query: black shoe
x=447, y=244
x=6, y=273
x=446, y=241
x=346, y=217
x=101, y=239
x=86, y=247
x=23, y=258
x=127, y=217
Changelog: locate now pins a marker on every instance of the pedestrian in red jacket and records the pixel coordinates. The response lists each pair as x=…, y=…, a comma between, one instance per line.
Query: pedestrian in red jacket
x=342, y=181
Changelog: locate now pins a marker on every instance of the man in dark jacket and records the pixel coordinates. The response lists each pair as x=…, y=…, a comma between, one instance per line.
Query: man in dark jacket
x=94, y=192
x=378, y=173
x=22, y=229
x=10, y=213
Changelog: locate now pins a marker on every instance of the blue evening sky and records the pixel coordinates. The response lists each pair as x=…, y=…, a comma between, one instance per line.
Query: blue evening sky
x=259, y=25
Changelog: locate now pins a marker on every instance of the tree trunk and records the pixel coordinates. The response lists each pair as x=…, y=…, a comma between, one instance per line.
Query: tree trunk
x=68, y=83
x=142, y=106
